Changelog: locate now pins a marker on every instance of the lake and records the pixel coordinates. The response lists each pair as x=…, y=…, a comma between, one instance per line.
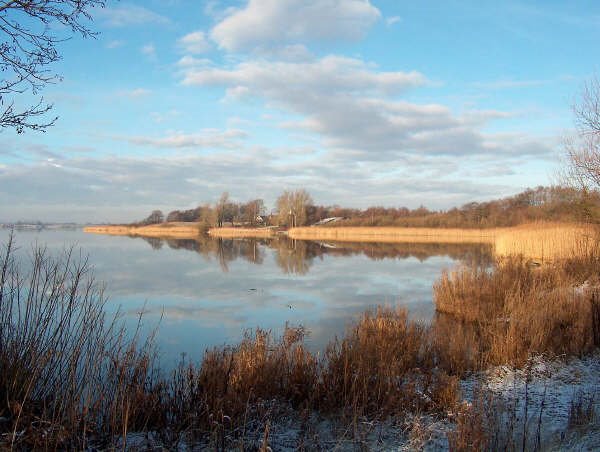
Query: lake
x=203, y=293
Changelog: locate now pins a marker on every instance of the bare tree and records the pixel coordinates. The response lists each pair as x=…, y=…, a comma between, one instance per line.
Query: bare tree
x=583, y=149
x=155, y=217
x=221, y=207
x=292, y=207
x=28, y=46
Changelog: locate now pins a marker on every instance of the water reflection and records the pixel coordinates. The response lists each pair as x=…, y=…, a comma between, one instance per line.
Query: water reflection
x=297, y=256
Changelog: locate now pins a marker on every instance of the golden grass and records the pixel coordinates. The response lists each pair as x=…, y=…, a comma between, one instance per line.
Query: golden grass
x=395, y=234
x=547, y=241
x=242, y=232
x=505, y=314
x=179, y=230
x=536, y=241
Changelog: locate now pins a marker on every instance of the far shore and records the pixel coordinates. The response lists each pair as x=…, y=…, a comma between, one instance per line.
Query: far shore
x=395, y=234
x=538, y=241
x=228, y=232
x=163, y=230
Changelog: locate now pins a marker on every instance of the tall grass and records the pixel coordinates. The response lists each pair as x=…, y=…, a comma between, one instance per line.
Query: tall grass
x=394, y=234
x=537, y=241
x=383, y=365
x=547, y=241
x=242, y=232
x=66, y=369
x=514, y=309
x=162, y=230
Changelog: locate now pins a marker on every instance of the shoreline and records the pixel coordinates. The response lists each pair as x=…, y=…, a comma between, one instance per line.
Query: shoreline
x=164, y=230
x=228, y=232
x=537, y=241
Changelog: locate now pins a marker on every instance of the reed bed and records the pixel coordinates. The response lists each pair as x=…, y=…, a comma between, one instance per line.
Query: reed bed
x=545, y=242
x=513, y=310
x=537, y=241
x=242, y=232
x=394, y=234
x=180, y=230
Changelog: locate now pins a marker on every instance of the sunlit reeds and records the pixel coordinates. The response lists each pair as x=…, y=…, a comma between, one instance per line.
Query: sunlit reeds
x=546, y=241
x=515, y=309
x=242, y=232
x=537, y=241
x=162, y=230
x=394, y=234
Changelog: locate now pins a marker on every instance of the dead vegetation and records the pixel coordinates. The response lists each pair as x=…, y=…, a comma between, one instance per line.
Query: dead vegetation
x=514, y=309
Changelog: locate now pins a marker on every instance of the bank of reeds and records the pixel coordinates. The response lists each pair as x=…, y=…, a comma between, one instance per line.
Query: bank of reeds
x=545, y=242
x=506, y=313
x=162, y=230
x=242, y=232
x=537, y=241
x=394, y=234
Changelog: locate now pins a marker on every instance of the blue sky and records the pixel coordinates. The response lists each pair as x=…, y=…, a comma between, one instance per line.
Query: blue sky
x=362, y=103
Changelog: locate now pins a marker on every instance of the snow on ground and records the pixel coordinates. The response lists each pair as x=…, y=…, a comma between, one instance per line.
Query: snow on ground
x=548, y=385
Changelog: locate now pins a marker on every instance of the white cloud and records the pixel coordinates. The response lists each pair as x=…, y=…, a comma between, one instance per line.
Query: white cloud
x=207, y=138
x=149, y=50
x=194, y=43
x=114, y=44
x=188, y=61
x=268, y=23
x=392, y=20
x=163, y=117
x=127, y=15
x=125, y=188
x=136, y=93
x=328, y=75
x=355, y=107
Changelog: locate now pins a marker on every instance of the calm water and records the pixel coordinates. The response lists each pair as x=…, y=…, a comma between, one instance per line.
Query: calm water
x=209, y=292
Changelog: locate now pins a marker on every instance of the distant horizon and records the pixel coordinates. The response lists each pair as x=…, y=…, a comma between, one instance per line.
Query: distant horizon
x=360, y=102
x=268, y=207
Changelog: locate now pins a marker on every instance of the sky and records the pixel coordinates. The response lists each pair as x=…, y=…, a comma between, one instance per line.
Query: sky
x=359, y=102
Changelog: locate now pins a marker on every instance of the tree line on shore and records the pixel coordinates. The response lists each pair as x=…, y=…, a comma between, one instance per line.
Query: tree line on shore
x=296, y=208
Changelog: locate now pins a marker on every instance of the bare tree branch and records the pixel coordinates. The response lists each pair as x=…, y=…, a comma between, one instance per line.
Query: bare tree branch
x=28, y=48
x=583, y=150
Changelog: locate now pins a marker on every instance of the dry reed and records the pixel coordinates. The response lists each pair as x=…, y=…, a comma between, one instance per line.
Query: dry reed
x=67, y=372
x=513, y=310
x=162, y=230
x=242, y=232
x=394, y=234
x=546, y=241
